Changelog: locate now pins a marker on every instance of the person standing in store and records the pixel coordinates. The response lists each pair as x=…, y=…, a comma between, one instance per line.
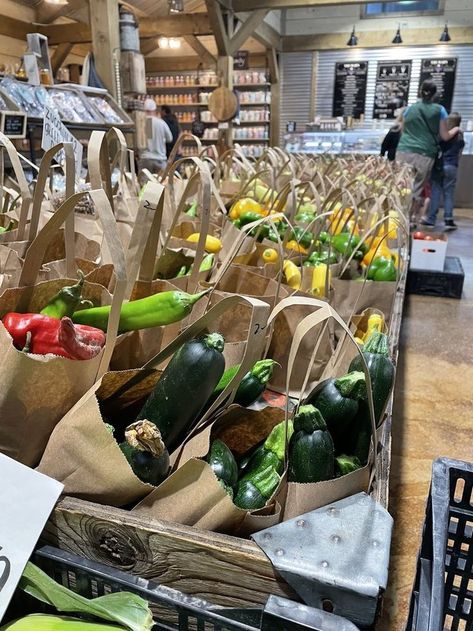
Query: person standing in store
x=154, y=157
x=171, y=121
x=422, y=125
x=392, y=138
x=445, y=182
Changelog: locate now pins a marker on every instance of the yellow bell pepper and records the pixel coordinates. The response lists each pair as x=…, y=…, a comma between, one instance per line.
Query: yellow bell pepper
x=319, y=276
x=297, y=247
x=270, y=255
x=292, y=274
x=244, y=205
x=212, y=244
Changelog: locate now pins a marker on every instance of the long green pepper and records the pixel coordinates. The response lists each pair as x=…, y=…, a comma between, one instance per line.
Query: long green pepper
x=157, y=310
x=65, y=302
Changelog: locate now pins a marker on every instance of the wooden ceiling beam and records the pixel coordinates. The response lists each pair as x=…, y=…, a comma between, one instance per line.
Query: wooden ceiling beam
x=219, y=28
x=250, y=5
x=171, y=26
x=11, y=27
x=47, y=13
x=376, y=39
x=59, y=56
x=246, y=30
x=148, y=46
x=197, y=46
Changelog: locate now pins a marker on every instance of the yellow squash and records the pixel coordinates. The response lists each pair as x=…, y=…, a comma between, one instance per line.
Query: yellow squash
x=319, y=277
x=270, y=255
x=292, y=274
x=212, y=244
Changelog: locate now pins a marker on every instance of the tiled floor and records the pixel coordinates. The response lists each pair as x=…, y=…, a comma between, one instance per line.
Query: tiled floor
x=433, y=414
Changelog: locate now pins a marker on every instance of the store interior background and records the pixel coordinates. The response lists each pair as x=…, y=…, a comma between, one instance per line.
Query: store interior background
x=433, y=408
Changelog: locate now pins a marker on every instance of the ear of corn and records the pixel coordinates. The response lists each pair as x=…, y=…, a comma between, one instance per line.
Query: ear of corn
x=40, y=622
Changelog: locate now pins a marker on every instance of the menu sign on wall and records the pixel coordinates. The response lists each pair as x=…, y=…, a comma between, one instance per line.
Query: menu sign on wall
x=350, y=88
x=442, y=72
x=392, y=88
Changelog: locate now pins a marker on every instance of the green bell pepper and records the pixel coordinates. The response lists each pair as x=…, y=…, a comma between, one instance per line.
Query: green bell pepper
x=303, y=237
x=384, y=271
x=347, y=243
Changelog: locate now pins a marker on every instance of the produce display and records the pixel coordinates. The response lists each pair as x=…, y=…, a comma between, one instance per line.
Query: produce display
x=252, y=323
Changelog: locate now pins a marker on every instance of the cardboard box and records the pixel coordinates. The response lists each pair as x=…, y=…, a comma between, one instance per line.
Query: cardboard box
x=429, y=255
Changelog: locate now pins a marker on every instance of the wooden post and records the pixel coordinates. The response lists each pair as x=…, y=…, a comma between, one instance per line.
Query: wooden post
x=225, y=74
x=274, y=129
x=105, y=39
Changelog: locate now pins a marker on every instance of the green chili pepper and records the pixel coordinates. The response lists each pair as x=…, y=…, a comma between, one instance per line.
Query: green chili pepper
x=6, y=229
x=160, y=309
x=192, y=210
x=205, y=266
x=65, y=302
x=182, y=272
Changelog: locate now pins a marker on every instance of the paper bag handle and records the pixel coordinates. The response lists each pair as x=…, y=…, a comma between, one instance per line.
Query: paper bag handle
x=26, y=197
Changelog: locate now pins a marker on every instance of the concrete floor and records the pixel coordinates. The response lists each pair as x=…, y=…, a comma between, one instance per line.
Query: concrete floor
x=432, y=416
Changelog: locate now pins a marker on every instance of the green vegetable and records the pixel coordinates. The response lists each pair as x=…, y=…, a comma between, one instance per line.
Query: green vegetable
x=253, y=492
x=251, y=386
x=192, y=210
x=146, y=452
x=346, y=464
x=321, y=257
x=223, y=463
x=338, y=401
x=249, y=217
x=4, y=229
x=302, y=236
x=205, y=266
x=381, y=369
x=228, y=489
x=311, y=450
x=382, y=269
x=324, y=237
x=182, y=272
x=185, y=387
x=65, y=302
x=160, y=309
x=122, y=608
x=271, y=452
x=347, y=243
x=46, y=622
x=304, y=217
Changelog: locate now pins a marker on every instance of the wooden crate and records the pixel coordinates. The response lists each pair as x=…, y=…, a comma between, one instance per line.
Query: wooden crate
x=222, y=569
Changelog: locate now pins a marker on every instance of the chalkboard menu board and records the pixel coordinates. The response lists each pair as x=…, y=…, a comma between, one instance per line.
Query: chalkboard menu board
x=392, y=88
x=442, y=72
x=13, y=124
x=350, y=88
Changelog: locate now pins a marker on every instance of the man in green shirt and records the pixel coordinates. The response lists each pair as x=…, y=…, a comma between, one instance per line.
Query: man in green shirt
x=423, y=125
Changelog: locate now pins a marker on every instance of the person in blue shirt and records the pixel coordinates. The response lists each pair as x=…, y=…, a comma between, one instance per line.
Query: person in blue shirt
x=445, y=183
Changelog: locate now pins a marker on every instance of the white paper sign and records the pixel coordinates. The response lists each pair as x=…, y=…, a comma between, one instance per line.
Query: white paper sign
x=26, y=501
x=55, y=131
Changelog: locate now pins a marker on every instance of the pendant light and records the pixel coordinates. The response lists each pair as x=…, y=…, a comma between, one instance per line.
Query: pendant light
x=397, y=38
x=353, y=41
x=176, y=6
x=445, y=37
x=57, y=2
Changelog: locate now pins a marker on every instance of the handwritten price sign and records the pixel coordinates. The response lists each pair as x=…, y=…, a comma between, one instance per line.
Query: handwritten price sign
x=26, y=499
x=54, y=131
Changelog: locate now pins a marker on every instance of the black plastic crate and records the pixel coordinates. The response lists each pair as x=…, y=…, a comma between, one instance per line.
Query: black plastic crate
x=442, y=597
x=172, y=610
x=446, y=284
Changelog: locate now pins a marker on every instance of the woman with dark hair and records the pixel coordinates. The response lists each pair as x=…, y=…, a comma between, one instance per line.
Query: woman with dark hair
x=423, y=125
x=170, y=119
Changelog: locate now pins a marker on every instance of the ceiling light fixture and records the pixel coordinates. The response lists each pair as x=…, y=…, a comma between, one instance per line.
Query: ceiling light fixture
x=176, y=6
x=57, y=2
x=397, y=38
x=353, y=41
x=169, y=42
x=445, y=37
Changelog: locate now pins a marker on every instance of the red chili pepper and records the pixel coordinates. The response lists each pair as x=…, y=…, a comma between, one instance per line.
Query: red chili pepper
x=40, y=335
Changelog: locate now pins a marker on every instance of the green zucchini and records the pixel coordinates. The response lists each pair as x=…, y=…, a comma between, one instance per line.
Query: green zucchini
x=381, y=369
x=311, y=450
x=184, y=388
x=253, y=492
x=251, y=386
x=269, y=453
x=223, y=463
x=146, y=452
x=346, y=464
x=337, y=400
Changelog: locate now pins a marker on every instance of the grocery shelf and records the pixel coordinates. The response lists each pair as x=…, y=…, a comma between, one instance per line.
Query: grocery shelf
x=251, y=85
x=155, y=88
x=254, y=103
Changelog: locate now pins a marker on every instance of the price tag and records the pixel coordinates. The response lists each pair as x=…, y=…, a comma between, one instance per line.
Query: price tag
x=54, y=131
x=26, y=499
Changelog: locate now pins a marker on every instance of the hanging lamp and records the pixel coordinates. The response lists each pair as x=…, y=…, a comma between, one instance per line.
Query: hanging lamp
x=353, y=41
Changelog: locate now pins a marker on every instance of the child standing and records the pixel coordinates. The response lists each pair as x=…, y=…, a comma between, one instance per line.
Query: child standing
x=445, y=184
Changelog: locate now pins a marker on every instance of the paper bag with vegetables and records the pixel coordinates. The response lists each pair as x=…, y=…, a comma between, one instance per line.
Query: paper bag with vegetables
x=48, y=362
x=114, y=445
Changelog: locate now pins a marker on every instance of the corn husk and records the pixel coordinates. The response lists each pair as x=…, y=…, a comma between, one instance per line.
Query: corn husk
x=43, y=622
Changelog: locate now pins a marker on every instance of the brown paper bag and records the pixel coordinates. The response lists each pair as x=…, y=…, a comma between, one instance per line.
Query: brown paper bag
x=38, y=390
x=110, y=480
x=302, y=498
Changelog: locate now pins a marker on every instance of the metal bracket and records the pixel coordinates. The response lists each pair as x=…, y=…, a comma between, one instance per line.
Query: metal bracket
x=281, y=614
x=336, y=558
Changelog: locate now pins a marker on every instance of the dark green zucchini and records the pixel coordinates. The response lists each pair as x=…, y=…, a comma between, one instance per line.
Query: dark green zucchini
x=271, y=452
x=337, y=400
x=346, y=464
x=381, y=369
x=358, y=439
x=311, y=450
x=184, y=388
x=251, y=386
x=253, y=492
x=223, y=463
x=146, y=452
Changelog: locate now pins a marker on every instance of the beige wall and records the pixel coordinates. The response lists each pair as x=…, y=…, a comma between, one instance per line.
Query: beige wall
x=341, y=19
